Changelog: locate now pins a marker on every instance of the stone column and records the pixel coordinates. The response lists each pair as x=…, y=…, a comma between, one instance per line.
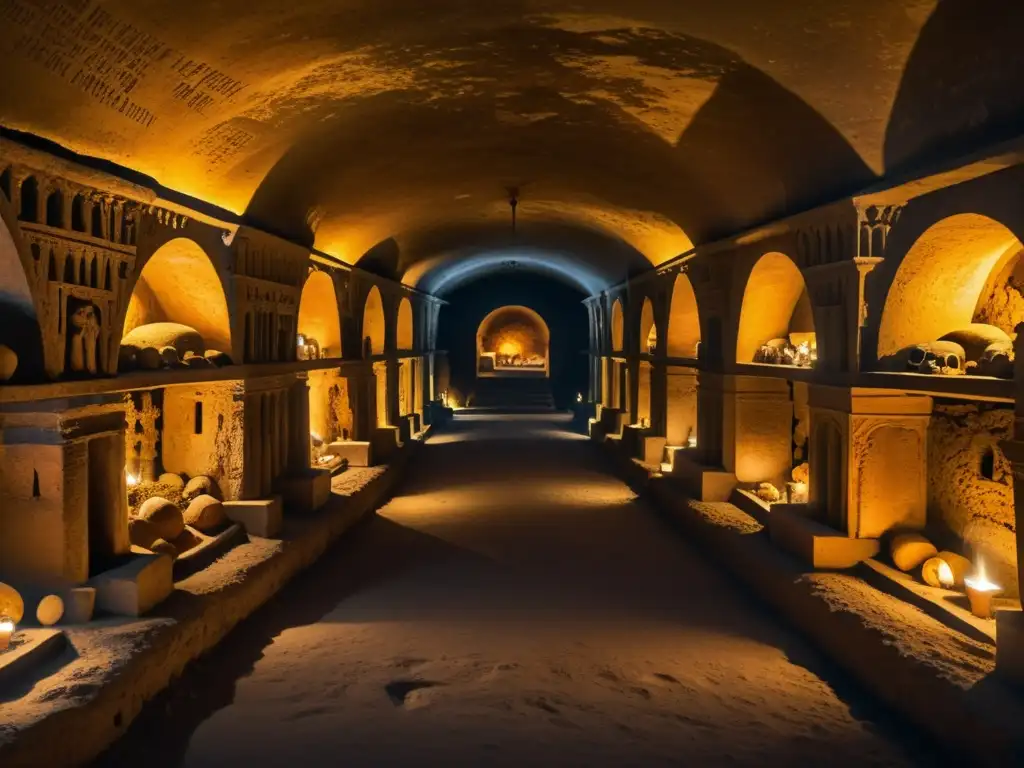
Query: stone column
x=252, y=436
x=299, y=459
x=757, y=429
x=680, y=404
x=837, y=296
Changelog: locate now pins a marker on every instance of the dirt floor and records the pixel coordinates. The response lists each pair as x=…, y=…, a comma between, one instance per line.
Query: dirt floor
x=514, y=605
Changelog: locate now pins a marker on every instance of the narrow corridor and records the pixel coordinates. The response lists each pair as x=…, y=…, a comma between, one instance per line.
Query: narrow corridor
x=513, y=605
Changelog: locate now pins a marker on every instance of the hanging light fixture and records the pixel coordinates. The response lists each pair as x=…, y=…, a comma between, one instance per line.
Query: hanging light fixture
x=513, y=201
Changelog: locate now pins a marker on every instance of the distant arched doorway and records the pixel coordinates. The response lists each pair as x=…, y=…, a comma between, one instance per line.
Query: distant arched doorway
x=513, y=341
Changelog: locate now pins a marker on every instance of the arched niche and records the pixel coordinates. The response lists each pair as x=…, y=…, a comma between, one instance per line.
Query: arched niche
x=683, y=320
x=964, y=269
x=373, y=323
x=513, y=341
x=404, y=331
x=179, y=284
x=19, y=323
x=648, y=328
x=616, y=327
x=776, y=305
x=319, y=321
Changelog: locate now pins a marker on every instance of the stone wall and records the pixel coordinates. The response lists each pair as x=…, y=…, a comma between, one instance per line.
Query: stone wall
x=963, y=447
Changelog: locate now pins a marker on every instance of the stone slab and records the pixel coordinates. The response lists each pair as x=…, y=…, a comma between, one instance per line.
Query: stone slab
x=261, y=517
x=208, y=550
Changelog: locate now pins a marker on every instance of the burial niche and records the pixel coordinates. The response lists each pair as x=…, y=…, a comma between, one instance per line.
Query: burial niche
x=319, y=321
x=513, y=341
x=954, y=301
x=178, y=315
x=776, y=323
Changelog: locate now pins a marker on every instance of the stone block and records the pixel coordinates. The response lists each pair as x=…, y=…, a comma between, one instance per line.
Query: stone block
x=261, y=517
x=652, y=449
x=358, y=452
x=701, y=482
x=815, y=543
x=404, y=430
x=308, y=492
x=136, y=587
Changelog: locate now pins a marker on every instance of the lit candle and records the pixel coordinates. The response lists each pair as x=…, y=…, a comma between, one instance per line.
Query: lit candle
x=691, y=441
x=130, y=479
x=980, y=592
x=6, y=631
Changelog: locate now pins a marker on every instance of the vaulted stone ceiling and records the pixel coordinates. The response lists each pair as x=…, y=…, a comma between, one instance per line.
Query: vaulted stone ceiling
x=630, y=128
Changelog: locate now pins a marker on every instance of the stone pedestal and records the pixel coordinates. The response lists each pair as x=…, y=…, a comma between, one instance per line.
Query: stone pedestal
x=1010, y=646
x=868, y=459
x=63, y=501
x=136, y=587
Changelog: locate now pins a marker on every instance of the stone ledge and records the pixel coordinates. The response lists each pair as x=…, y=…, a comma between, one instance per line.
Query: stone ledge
x=34, y=647
x=939, y=679
x=119, y=665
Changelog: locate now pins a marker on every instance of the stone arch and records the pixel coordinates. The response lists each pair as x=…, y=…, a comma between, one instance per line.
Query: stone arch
x=19, y=321
x=319, y=319
x=55, y=208
x=179, y=284
x=404, y=331
x=373, y=323
x=617, y=326
x=683, y=320
x=512, y=330
x=648, y=338
x=775, y=305
x=29, y=195
x=944, y=279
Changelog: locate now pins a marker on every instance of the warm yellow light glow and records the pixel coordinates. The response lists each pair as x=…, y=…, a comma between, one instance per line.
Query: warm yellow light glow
x=980, y=581
x=6, y=631
x=509, y=349
x=579, y=397
x=945, y=574
x=691, y=441
x=130, y=479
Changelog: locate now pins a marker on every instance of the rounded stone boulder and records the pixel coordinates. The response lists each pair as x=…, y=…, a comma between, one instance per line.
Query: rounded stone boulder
x=141, y=532
x=201, y=485
x=11, y=604
x=164, y=516
x=170, y=479
x=205, y=514
x=974, y=338
x=8, y=362
x=159, y=335
x=162, y=547
x=149, y=359
x=911, y=550
x=50, y=610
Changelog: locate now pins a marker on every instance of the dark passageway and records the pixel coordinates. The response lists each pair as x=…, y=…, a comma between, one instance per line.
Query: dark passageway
x=513, y=605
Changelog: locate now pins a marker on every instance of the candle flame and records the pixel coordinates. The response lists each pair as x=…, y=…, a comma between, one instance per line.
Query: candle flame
x=980, y=581
x=130, y=479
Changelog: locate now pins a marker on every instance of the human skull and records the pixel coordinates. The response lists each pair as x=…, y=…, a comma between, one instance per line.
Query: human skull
x=997, y=360
x=940, y=357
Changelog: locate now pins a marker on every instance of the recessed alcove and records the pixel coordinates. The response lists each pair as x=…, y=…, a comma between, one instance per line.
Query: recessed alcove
x=513, y=341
